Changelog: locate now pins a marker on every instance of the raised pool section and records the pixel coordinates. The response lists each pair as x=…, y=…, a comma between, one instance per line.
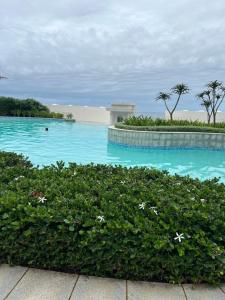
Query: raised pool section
x=166, y=139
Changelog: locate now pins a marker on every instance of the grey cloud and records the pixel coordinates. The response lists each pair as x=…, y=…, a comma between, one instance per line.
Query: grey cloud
x=50, y=9
x=103, y=51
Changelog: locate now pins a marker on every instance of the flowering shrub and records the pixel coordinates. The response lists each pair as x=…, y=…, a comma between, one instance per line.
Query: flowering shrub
x=9, y=159
x=135, y=223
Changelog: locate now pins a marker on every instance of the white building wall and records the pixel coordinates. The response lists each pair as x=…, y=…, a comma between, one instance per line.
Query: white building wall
x=83, y=113
x=194, y=116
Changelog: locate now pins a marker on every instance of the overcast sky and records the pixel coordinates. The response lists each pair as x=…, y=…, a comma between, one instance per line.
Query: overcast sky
x=94, y=52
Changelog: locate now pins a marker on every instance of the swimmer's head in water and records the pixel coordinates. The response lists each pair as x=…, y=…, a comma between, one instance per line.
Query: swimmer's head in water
x=46, y=129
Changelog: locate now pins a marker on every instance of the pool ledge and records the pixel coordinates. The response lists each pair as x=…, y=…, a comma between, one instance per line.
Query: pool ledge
x=163, y=139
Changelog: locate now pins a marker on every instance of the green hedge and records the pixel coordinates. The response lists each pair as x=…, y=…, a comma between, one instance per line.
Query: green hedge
x=111, y=221
x=171, y=128
x=148, y=121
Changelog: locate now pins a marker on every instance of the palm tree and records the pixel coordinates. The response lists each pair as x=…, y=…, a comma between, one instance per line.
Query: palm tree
x=179, y=89
x=214, y=87
x=165, y=97
x=215, y=94
x=207, y=103
x=219, y=97
x=69, y=116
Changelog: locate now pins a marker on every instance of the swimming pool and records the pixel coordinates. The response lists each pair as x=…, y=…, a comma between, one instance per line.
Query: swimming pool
x=85, y=143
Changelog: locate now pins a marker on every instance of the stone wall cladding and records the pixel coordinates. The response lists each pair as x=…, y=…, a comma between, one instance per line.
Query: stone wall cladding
x=166, y=139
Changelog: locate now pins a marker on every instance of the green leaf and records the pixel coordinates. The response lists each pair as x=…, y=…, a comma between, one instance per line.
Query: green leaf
x=71, y=228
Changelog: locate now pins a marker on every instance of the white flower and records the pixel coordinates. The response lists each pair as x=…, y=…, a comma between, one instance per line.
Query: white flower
x=203, y=200
x=42, y=199
x=154, y=209
x=178, y=183
x=142, y=205
x=122, y=182
x=17, y=178
x=179, y=237
x=74, y=173
x=100, y=218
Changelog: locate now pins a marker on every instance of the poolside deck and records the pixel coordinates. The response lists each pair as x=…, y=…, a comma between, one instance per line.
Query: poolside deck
x=19, y=283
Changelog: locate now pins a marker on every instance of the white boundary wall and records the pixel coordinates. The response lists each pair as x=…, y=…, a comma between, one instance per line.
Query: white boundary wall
x=83, y=113
x=194, y=116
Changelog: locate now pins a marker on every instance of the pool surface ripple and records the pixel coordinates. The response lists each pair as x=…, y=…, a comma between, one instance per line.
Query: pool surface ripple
x=85, y=143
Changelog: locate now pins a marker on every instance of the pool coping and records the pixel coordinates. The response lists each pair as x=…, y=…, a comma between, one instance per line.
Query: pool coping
x=170, y=132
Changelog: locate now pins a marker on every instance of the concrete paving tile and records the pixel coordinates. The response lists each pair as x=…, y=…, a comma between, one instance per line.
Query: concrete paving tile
x=44, y=285
x=95, y=288
x=9, y=276
x=139, y=290
x=16, y=283
x=203, y=292
x=222, y=286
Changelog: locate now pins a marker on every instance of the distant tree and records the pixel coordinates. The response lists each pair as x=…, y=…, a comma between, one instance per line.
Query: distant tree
x=22, y=108
x=32, y=105
x=212, y=98
x=179, y=89
x=3, y=77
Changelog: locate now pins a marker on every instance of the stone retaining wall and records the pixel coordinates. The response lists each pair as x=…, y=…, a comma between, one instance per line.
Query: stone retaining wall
x=166, y=139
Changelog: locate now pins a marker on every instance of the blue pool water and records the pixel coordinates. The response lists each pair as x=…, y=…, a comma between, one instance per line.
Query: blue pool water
x=85, y=143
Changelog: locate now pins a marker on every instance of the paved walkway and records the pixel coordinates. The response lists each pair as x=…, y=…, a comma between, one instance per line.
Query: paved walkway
x=19, y=283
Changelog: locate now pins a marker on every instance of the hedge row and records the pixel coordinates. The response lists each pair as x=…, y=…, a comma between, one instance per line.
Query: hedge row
x=171, y=128
x=148, y=121
x=25, y=108
x=135, y=223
